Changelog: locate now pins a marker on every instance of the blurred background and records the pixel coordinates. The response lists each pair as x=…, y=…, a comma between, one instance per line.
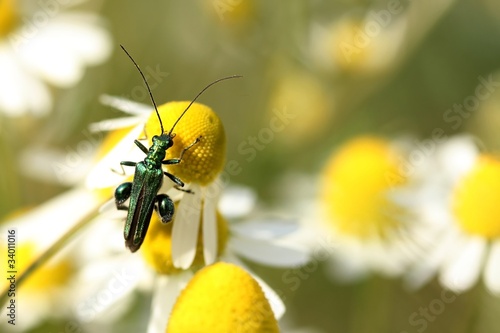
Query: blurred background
x=336, y=69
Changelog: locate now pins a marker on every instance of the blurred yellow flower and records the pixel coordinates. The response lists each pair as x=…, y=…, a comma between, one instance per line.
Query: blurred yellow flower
x=232, y=13
x=356, y=185
x=475, y=203
x=47, y=291
x=358, y=45
x=9, y=17
x=49, y=277
x=346, y=46
x=360, y=208
x=306, y=102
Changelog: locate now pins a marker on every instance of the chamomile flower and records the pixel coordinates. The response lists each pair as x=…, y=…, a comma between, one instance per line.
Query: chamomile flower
x=199, y=168
x=371, y=230
x=265, y=241
x=358, y=45
x=461, y=216
x=376, y=41
x=202, y=234
x=40, y=46
x=224, y=298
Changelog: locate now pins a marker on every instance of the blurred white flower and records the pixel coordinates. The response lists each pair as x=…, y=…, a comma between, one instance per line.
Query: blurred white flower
x=460, y=214
x=366, y=45
x=45, y=45
x=49, y=291
x=376, y=40
x=358, y=209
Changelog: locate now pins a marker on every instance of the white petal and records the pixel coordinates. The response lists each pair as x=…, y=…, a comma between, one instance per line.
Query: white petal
x=104, y=285
x=274, y=300
x=46, y=58
x=108, y=207
x=443, y=245
x=186, y=227
x=168, y=188
x=102, y=175
x=126, y=105
x=344, y=268
x=52, y=52
x=38, y=307
x=81, y=32
x=265, y=229
x=237, y=201
x=463, y=270
x=49, y=221
x=114, y=124
x=492, y=269
x=54, y=166
x=385, y=258
x=457, y=156
x=165, y=293
x=269, y=253
x=209, y=228
x=107, y=231
x=20, y=92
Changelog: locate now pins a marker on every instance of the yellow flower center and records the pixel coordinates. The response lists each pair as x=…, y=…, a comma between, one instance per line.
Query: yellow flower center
x=297, y=94
x=9, y=16
x=232, y=13
x=475, y=199
x=349, y=45
x=222, y=298
x=356, y=183
x=46, y=278
x=157, y=247
x=204, y=161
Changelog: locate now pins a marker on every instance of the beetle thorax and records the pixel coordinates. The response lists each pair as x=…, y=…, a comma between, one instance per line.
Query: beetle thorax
x=157, y=152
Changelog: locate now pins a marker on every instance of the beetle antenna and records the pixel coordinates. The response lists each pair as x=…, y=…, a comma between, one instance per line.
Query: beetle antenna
x=147, y=86
x=199, y=94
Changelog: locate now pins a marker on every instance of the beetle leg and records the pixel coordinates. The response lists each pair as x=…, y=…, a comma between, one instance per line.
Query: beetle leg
x=178, y=160
x=140, y=145
x=175, y=179
x=124, y=163
x=122, y=193
x=165, y=207
x=183, y=190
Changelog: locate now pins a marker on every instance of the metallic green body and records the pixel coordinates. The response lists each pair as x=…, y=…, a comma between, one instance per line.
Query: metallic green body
x=148, y=179
x=147, y=183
